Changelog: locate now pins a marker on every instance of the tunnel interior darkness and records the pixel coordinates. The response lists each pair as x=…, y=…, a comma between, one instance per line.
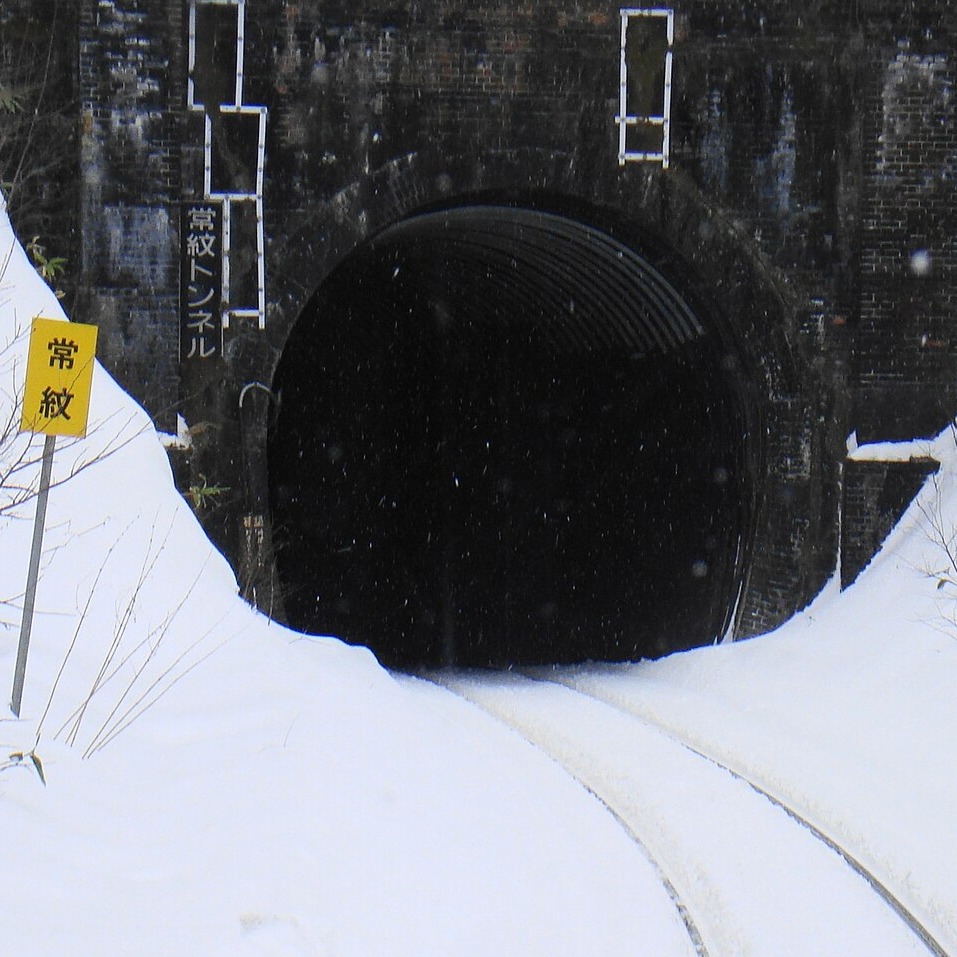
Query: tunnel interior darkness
x=505, y=438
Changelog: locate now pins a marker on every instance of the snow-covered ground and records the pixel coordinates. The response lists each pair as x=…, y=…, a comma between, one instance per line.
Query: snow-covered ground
x=218, y=785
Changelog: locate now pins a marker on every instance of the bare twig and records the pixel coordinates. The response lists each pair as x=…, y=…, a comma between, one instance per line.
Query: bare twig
x=76, y=634
x=105, y=727
x=134, y=711
x=120, y=631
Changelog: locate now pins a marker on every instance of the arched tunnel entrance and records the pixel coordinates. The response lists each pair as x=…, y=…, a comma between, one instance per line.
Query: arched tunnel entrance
x=505, y=438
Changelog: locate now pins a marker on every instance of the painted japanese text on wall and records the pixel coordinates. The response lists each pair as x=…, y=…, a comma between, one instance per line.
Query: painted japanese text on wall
x=201, y=281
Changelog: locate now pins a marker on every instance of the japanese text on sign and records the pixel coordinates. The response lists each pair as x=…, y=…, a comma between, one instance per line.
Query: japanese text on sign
x=56, y=399
x=201, y=282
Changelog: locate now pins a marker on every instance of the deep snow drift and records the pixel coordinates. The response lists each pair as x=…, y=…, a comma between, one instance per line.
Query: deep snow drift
x=218, y=785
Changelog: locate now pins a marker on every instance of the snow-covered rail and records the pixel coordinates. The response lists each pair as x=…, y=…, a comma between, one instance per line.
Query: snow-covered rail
x=591, y=684
x=749, y=874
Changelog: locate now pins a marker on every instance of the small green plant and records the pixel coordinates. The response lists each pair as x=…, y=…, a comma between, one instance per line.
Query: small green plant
x=9, y=101
x=49, y=267
x=201, y=494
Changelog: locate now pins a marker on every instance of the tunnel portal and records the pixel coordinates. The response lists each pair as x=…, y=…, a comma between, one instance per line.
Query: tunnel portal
x=505, y=438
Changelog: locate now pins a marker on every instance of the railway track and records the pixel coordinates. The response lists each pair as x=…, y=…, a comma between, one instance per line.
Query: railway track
x=748, y=873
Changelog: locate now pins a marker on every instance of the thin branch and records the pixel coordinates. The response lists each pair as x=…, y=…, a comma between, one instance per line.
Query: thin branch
x=132, y=714
x=138, y=672
x=120, y=631
x=76, y=634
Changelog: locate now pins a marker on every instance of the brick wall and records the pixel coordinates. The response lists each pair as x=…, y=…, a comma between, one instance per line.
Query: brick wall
x=131, y=89
x=824, y=131
x=351, y=92
x=876, y=494
x=905, y=344
x=813, y=153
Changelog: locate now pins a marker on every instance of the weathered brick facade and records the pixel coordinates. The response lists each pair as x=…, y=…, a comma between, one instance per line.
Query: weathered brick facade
x=876, y=495
x=809, y=204
x=903, y=347
x=130, y=109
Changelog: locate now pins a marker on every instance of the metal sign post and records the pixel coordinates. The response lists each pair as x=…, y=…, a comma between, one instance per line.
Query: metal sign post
x=29, y=597
x=56, y=401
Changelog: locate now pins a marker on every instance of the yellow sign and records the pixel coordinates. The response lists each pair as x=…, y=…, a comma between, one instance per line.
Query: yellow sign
x=56, y=398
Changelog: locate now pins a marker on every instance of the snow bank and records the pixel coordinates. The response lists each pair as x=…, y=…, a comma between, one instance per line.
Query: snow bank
x=219, y=785
x=848, y=711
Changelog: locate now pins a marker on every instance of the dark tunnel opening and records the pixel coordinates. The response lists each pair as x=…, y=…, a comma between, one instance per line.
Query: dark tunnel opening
x=504, y=438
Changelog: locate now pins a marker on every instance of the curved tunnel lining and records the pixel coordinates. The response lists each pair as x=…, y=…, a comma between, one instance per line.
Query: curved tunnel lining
x=574, y=262
x=428, y=307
